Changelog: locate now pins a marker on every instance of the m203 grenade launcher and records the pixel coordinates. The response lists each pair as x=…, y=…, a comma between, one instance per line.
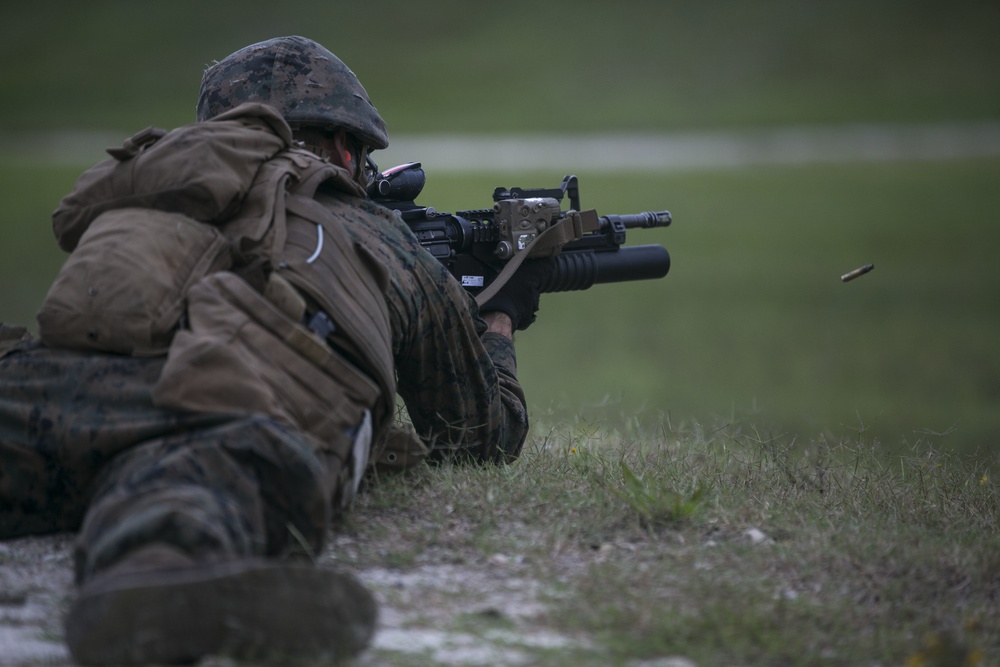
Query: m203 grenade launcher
x=476, y=245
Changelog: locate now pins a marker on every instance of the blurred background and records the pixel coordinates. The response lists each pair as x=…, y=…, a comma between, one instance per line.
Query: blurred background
x=792, y=141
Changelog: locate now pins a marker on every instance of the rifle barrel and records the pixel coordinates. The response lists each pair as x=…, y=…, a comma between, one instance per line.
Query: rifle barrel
x=642, y=220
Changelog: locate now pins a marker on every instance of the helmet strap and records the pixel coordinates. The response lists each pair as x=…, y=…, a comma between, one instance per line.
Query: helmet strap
x=364, y=175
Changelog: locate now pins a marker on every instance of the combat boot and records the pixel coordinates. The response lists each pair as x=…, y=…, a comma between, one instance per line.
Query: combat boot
x=154, y=608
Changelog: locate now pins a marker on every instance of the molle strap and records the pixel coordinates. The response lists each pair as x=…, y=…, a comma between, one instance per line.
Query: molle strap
x=122, y=178
x=305, y=207
x=137, y=143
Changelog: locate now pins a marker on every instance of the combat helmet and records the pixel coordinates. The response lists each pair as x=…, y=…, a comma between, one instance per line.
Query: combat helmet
x=306, y=83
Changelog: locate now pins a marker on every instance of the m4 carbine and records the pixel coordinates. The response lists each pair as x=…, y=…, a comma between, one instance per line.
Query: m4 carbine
x=477, y=245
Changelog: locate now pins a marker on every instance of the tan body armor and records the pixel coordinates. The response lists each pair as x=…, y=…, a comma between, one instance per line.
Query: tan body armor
x=206, y=244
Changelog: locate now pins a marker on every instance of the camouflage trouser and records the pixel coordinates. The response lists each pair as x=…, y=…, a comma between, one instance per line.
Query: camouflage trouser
x=83, y=447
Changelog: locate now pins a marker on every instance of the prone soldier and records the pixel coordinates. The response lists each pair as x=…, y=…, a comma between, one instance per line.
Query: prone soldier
x=217, y=366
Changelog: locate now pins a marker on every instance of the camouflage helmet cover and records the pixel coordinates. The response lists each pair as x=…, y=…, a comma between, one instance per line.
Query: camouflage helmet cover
x=304, y=81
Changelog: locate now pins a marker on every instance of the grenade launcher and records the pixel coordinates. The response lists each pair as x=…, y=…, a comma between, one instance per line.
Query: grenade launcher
x=477, y=245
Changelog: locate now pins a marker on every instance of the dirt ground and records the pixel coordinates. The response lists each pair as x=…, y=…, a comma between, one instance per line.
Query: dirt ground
x=421, y=606
x=36, y=584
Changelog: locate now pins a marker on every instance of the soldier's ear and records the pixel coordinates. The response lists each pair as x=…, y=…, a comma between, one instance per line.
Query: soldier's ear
x=339, y=150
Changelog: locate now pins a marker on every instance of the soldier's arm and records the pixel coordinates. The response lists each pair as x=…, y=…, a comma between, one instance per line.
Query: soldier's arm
x=499, y=323
x=458, y=377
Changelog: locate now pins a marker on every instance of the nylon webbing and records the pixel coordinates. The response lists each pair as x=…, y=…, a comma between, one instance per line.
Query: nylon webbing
x=568, y=228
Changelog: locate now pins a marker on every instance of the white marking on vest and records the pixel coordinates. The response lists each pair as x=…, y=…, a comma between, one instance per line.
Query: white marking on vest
x=319, y=245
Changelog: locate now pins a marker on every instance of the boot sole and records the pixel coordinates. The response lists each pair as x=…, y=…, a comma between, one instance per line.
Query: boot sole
x=252, y=610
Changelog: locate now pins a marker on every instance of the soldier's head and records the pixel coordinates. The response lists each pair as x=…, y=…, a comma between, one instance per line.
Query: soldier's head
x=318, y=95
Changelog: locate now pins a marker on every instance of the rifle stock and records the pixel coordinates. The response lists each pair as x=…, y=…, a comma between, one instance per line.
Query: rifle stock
x=475, y=245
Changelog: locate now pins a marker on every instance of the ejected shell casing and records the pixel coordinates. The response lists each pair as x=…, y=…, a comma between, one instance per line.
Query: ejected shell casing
x=857, y=272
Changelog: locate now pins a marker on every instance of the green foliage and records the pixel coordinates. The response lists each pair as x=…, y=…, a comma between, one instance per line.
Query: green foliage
x=654, y=502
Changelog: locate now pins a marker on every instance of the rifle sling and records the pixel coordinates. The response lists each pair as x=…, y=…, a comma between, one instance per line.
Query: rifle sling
x=568, y=228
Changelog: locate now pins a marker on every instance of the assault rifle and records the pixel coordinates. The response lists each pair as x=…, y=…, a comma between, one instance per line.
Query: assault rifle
x=477, y=245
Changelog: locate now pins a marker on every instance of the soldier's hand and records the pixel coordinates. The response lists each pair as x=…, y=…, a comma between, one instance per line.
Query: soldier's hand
x=519, y=297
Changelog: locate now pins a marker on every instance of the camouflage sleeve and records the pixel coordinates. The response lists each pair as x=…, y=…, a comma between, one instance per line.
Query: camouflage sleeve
x=501, y=351
x=459, y=383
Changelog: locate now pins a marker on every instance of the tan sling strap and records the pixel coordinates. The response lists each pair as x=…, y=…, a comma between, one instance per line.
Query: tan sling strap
x=568, y=228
